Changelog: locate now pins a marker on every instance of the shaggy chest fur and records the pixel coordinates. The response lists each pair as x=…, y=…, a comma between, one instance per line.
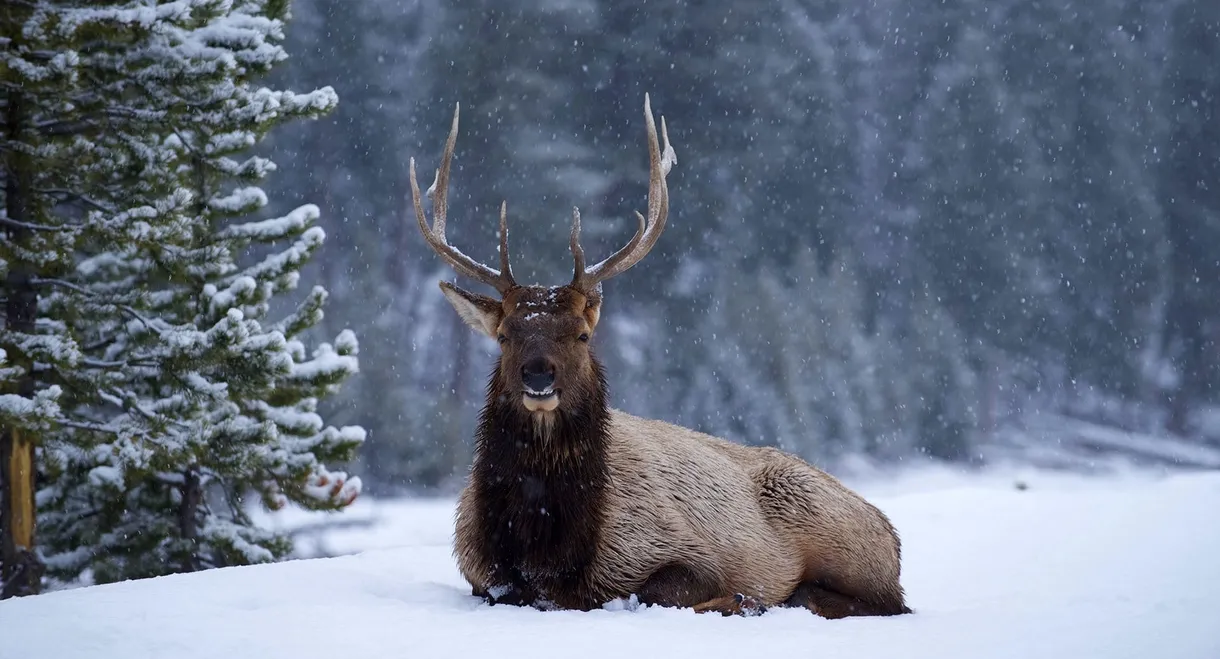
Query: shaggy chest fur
x=539, y=504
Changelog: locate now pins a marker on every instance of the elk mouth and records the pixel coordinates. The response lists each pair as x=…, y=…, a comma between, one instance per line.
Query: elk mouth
x=540, y=401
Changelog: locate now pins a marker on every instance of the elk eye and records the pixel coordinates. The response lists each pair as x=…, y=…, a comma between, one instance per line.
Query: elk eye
x=502, y=339
x=583, y=337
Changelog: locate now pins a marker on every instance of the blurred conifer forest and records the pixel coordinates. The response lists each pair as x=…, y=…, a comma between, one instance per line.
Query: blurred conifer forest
x=898, y=228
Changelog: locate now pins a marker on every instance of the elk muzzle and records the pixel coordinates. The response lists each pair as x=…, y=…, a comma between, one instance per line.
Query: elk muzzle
x=538, y=379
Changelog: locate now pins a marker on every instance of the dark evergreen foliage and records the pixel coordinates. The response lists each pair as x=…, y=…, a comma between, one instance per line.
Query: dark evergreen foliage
x=899, y=228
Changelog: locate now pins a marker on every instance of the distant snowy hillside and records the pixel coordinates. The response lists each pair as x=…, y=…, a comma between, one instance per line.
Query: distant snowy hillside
x=1071, y=568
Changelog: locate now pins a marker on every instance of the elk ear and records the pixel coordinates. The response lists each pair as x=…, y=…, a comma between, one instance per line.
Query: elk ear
x=479, y=311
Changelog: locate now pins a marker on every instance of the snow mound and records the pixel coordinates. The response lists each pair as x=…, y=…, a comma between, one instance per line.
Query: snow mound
x=1066, y=568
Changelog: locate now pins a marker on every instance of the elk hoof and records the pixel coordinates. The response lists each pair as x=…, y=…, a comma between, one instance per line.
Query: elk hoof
x=507, y=595
x=738, y=604
x=749, y=606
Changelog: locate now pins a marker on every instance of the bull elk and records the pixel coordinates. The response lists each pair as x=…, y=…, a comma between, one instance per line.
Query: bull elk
x=571, y=504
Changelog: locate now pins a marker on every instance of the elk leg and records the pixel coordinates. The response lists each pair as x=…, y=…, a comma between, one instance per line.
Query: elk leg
x=675, y=586
x=512, y=591
x=742, y=605
x=832, y=604
x=504, y=595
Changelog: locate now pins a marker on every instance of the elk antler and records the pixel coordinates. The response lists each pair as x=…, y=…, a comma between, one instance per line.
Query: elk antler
x=646, y=235
x=501, y=280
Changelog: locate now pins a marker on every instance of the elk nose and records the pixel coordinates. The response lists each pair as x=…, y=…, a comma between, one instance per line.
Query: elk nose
x=538, y=375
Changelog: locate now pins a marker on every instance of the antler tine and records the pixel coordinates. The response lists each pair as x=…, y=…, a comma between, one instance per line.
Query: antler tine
x=580, y=278
x=501, y=280
x=660, y=161
x=505, y=269
x=578, y=253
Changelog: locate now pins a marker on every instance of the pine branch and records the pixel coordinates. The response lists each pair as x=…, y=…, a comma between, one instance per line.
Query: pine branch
x=97, y=205
x=77, y=126
x=98, y=344
x=98, y=363
x=116, y=398
x=58, y=128
x=127, y=309
x=92, y=427
x=17, y=224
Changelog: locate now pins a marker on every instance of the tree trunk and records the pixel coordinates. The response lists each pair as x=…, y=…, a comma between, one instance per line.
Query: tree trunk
x=188, y=509
x=20, y=569
x=1189, y=331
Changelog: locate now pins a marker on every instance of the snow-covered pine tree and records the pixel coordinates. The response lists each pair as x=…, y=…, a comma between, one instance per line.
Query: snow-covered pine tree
x=40, y=85
x=181, y=395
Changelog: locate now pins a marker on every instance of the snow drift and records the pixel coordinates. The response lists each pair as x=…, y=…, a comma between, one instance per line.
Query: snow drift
x=1069, y=567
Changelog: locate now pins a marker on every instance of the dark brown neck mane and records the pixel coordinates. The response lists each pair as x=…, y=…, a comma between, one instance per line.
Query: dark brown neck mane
x=540, y=492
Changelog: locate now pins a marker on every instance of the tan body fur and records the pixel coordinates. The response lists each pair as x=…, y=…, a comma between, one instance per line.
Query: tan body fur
x=758, y=520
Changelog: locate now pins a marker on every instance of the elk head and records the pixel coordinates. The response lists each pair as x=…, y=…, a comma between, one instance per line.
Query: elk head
x=543, y=332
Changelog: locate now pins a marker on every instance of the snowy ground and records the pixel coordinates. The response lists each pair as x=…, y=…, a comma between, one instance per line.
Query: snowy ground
x=1126, y=566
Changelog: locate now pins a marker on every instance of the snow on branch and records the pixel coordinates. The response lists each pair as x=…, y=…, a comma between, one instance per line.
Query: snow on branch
x=280, y=271
x=330, y=363
x=240, y=201
x=276, y=228
x=238, y=292
x=335, y=488
x=35, y=413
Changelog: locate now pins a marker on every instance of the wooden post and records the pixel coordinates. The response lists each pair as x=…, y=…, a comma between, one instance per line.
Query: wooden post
x=21, y=470
x=20, y=569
